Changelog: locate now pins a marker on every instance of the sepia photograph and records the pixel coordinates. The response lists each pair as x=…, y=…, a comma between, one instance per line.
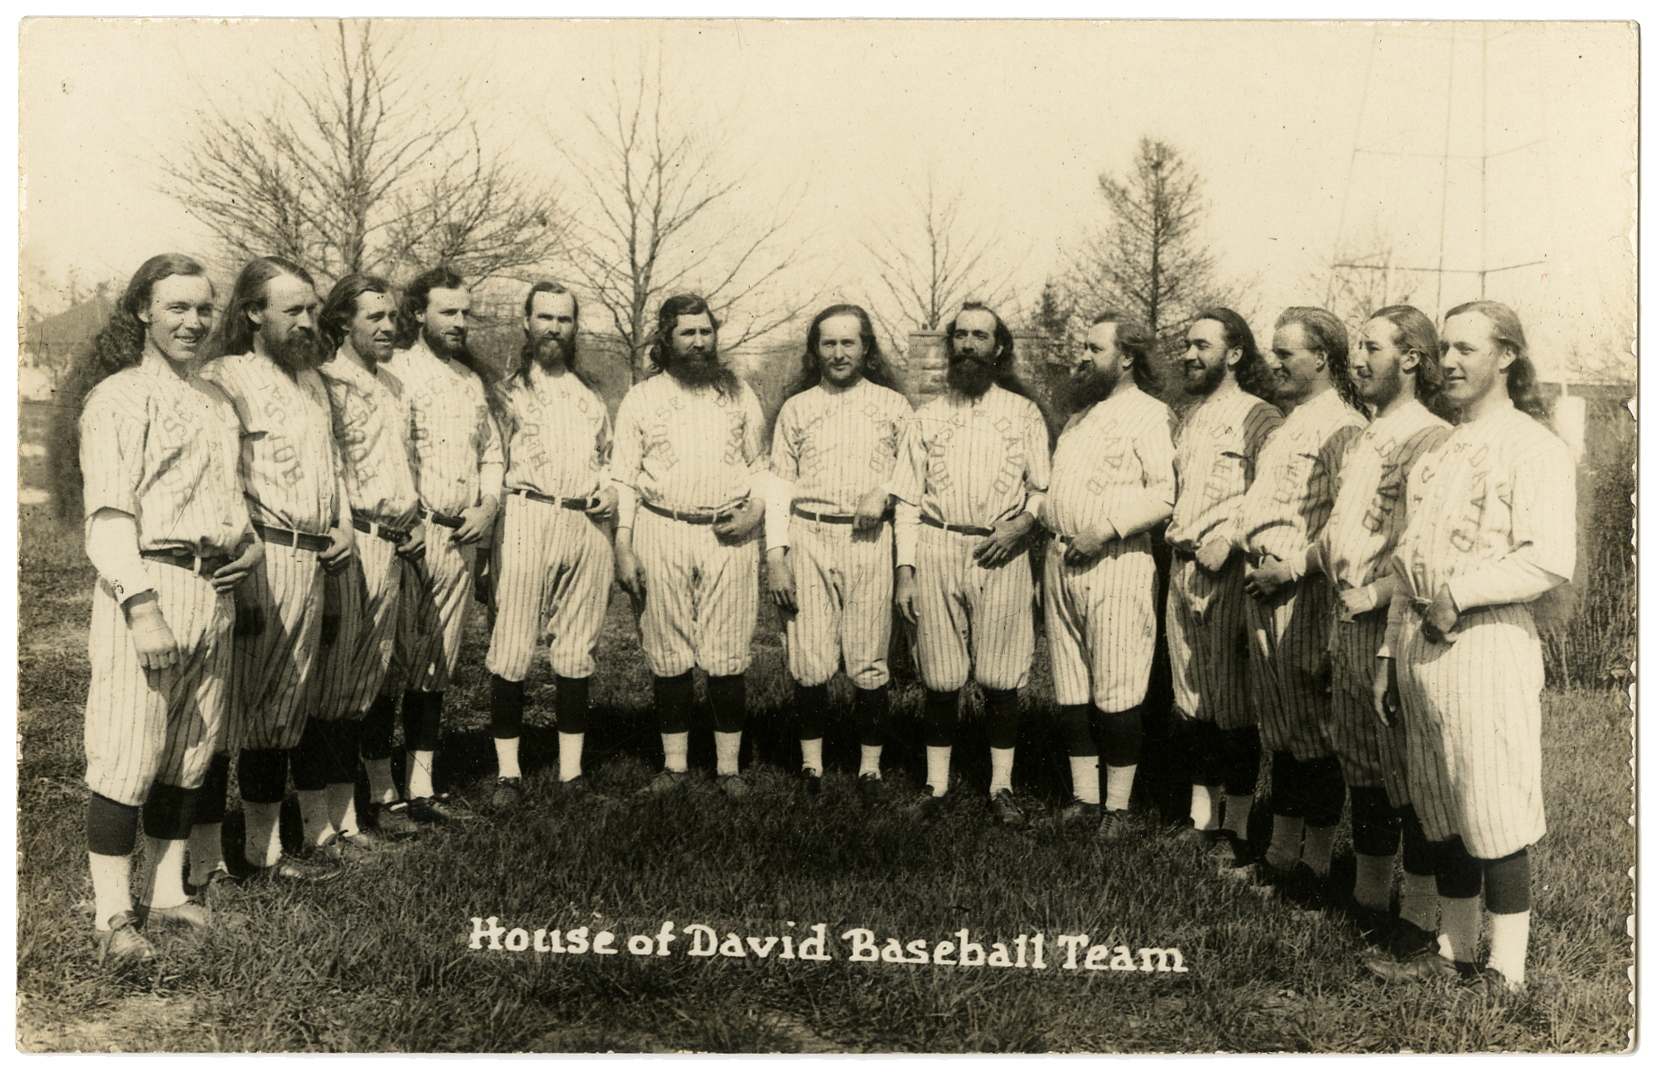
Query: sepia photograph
x=856, y=536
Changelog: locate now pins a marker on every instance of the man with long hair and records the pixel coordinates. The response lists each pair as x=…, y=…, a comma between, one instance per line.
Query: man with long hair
x=1491, y=528
x=1216, y=453
x=269, y=352
x=690, y=452
x=458, y=469
x=552, y=562
x=828, y=540
x=1112, y=483
x=971, y=476
x=154, y=471
x=1395, y=368
x=1291, y=603
x=352, y=713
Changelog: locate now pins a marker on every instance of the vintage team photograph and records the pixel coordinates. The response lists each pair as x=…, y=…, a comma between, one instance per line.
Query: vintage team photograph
x=826, y=537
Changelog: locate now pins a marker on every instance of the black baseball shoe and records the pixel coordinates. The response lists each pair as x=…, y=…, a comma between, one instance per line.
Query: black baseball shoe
x=509, y=792
x=1079, y=815
x=121, y=946
x=300, y=870
x=438, y=810
x=1424, y=968
x=1308, y=890
x=735, y=786
x=1114, y=826
x=924, y=806
x=390, y=820
x=665, y=782
x=1006, y=811
x=871, y=789
x=811, y=784
x=575, y=790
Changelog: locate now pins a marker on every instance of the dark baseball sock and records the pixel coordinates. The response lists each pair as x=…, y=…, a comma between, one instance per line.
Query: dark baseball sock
x=1459, y=874
x=1418, y=851
x=1287, y=792
x=728, y=695
x=340, y=741
x=1240, y=760
x=263, y=774
x=1197, y=749
x=870, y=706
x=1325, y=790
x=215, y=789
x=1374, y=823
x=506, y=708
x=938, y=718
x=674, y=698
x=111, y=828
x=1001, y=717
x=572, y=703
x=309, y=759
x=422, y=720
x=811, y=704
x=1124, y=736
x=1076, y=730
x=169, y=812
x=378, y=726
x=1507, y=883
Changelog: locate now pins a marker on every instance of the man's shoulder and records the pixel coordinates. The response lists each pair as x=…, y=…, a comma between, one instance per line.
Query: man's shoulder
x=889, y=399
x=1525, y=438
x=125, y=392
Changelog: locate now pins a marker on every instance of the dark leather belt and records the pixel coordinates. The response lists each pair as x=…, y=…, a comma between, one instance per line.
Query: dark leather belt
x=574, y=504
x=958, y=528
x=379, y=530
x=833, y=517
x=700, y=518
x=314, y=543
x=183, y=558
x=451, y=522
x=1183, y=554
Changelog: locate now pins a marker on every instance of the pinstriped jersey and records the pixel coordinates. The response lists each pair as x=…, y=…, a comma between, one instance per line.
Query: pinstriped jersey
x=1285, y=509
x=290, y=466
x=457, y=450
x=689, y=448
x=1216, y=449
x=1368, y=516
x=1113, y=469
x=556, y=432
x=974, y=461
x=834, y=445
x=1492, y=513
x=372, y=429
x=164, y=449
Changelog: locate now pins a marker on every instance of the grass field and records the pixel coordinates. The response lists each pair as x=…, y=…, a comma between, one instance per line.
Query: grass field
x=381, y=960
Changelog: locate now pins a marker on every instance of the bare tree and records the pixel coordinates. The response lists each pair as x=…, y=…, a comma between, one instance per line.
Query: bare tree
x=349, y=170
x=1365, y=275
x=662, y=218
x=930, y=261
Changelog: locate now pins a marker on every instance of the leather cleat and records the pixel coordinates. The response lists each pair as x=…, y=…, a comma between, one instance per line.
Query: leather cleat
x=575, y=790
x=924, y=806
x=1494, y=985
x=1230, y=851
x=308, y=870
x=811, y=784
x=1201, y=841
x=438, y=810
x=1114, y=825
x=391, y=820
x=215, y=877
x=1005, y=810
x=121, y=946
x=350, y=849
x=871, y=789
x=509, y=792
x=1375, y=926
x=735, y=786
x=1407, y=941
x=1424, y=968
x=186, y=916
x=1078, y=814
x=665, y=782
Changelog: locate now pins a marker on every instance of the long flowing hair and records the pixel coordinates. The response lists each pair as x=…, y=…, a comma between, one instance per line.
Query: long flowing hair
x=1505, y=331
x=875, y=369
x=1325, y=333
x=1250, y=372
x=119, y=344
x=251, y=292
x=661, y=342
x=340, y=308
x=416, y=297
x=1413, y=331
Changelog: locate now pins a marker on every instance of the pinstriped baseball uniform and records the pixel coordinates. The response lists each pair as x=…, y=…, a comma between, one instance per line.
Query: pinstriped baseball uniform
x=1492, y=513
x=457, y=462
x=974, y=462
x=1281, y=515
x=371, y=427
x=292, y=476
x=1113, y=471
x=692, y=450
x=1216, y=449
x=832, y=446
x=1363, y=528
x=553, y=566
x=162, y=449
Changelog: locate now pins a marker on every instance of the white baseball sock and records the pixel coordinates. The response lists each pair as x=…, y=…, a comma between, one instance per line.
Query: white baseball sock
x=1284, y=851
x=1509, y=938
x=342, y=807
x=1318, y=849
x=1237, y=810
x=727, y=750
x=1119, y=786
x=811, y=755
x=1458, y=937
x=206, y=851
x=1084, y=778
x=382, y=789
x=870, y=764
x=1001, y=769
x=570, y=745
x=1419, y=901
x=676, y=751
x=262, y=843
x=1373, y=887
x=937, y=769
x=111, y=887
x=162, y=880
x=506, y=756
x=313, y=816
x=420, y=774
x=1203, y=815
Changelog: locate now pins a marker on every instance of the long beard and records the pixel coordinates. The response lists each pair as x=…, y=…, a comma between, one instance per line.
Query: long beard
x=298, y=351
x=701, y=372
x=551, y=353
x=971, y=377
x=1092, y=388
x=1207, y=383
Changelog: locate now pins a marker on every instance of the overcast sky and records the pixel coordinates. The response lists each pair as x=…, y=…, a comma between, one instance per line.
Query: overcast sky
x=1022, y=117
